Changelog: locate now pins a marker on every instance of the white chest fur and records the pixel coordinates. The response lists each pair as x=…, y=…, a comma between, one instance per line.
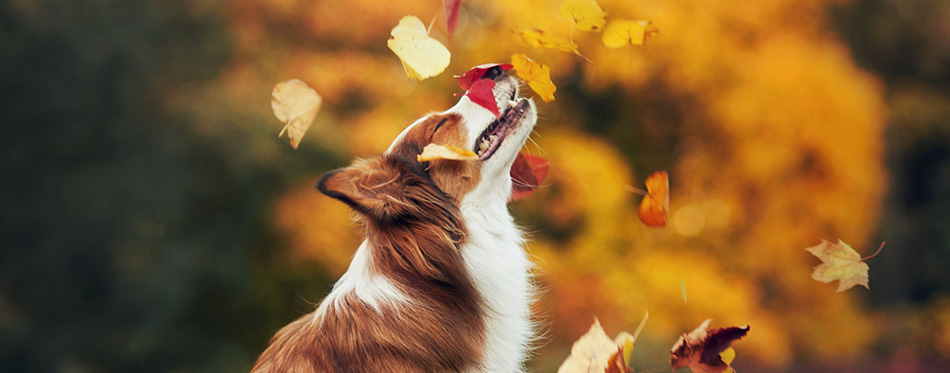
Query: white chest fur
x=500, y=268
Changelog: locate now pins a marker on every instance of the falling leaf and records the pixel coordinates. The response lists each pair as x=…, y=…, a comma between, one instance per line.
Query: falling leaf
x=540, y=38
x=451, y=8
x=481, y=92
x=623, y=32
x=596, y=352
x=841, y=262
x=295, y=104
x=527, y=173
x=683, y=284
x=422, y=56
x=586, y=14
x=477, y=72
x=537, y=76
x=700, y=349
x=655, y=206
x=727, y=356
x=451, y=152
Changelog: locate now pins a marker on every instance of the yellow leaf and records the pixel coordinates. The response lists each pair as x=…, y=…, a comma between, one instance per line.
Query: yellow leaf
x=540, y=38
x=421, y=55
x=586, y=14
x=840, y=262
x=537, y=76
x=436, y=151
x=295, y=104
x=728, y=355
x=622, y=32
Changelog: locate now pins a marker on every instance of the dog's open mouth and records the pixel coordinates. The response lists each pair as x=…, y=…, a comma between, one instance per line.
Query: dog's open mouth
x=490, y=140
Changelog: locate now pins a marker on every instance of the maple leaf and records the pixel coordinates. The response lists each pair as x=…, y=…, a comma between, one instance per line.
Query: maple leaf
x=596, y=352
x=623, y=32
x=477, y=72
x=481, y=92
x=537, y=76
x=295, y=104
x=701, y=350
x=586, y=14
x=450, y=152
x=527, y=173
x=840, y=262
x=421, y=56
x=451, y=8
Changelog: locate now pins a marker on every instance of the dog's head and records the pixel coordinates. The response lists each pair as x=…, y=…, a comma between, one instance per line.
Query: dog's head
x=397, y=185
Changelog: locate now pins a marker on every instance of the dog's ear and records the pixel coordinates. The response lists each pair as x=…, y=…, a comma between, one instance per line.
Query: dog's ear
x=381, y=188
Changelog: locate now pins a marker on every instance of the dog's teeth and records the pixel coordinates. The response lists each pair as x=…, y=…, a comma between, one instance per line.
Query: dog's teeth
x=512, y=102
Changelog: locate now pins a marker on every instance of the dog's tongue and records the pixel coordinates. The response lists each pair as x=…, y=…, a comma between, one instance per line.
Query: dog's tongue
x=527, y=174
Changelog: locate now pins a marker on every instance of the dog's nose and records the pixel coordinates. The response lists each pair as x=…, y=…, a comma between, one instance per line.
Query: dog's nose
x=493, y=73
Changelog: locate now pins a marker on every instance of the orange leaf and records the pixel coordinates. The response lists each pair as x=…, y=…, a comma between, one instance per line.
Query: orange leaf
x=537, y=76
x=655, y=206
x=700, y=349
x=451, y=152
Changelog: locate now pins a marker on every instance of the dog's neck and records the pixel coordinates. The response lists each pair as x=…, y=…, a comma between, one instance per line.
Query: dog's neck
x=499, y=266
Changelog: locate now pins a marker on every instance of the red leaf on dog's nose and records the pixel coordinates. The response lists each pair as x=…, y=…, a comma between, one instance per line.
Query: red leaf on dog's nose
x=477, y=72
x=451, y=14
x=527, y=174
x=481, y=94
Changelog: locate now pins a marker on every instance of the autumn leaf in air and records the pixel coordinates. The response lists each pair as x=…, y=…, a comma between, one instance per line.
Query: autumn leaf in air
x=451, y=8
x=840, y=262
x=706, y=351
x=537, y=76
x=527, y=173
x=542, y=39
x=586, y=14
x=422, y=56
x=596, y=352
x=481, y=92
x=477, y=72
x=655, y=206
x=623, y=32
x=295, y=104
x=450, y=152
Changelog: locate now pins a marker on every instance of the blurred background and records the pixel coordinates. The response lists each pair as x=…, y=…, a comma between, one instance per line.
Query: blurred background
x=152, y=221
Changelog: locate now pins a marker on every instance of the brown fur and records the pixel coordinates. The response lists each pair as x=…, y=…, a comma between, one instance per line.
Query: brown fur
x=410, y=212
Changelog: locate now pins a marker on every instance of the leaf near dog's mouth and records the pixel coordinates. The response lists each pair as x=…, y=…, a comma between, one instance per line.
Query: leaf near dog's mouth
x=527, y=174
x=435, y=151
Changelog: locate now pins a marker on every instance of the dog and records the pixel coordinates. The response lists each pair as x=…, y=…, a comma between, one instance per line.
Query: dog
x=441, y=282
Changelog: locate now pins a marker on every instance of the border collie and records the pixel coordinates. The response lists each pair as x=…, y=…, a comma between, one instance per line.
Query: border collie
x=441, y=283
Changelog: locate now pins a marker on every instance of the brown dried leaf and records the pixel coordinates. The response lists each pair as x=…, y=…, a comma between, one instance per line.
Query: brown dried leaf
x=700, y=349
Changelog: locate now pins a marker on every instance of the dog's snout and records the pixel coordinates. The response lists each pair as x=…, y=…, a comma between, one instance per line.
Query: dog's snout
x=493, y=73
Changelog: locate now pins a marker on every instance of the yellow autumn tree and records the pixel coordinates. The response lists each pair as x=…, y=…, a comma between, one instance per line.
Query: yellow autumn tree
x=770, y=133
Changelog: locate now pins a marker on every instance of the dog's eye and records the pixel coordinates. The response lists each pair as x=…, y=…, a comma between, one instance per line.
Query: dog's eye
x=437, y=126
